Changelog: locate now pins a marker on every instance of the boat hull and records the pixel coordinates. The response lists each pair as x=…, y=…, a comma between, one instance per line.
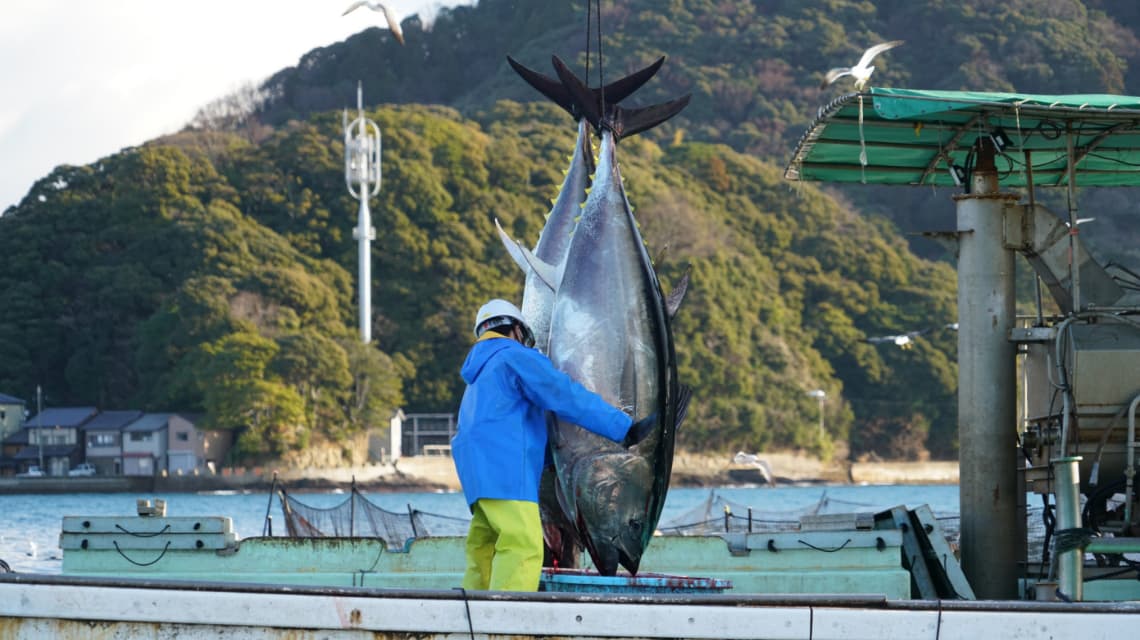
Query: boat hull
x=69, y=607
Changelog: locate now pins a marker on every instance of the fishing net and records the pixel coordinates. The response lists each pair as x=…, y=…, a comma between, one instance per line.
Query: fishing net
x=719, y=515
x=359, y=517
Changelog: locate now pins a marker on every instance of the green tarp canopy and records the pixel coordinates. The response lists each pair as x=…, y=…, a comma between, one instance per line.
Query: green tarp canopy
x=914, y=137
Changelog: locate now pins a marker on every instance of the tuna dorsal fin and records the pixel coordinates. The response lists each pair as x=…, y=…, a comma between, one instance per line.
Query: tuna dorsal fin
x=684, y=394
x=513, y=248
x=615, y=91
x=677, y=294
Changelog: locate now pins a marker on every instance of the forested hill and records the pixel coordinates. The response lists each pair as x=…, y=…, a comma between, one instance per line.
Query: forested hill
x=753, y=67
x=214, y=270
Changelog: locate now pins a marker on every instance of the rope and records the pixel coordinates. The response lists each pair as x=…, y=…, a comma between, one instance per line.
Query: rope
x=832, y=550
x=141, y=564
x=601, y=73
x=467, y=607
x=369, y=569
x=589, y=15
x=862, y=145
x=1072, y=539
x=144, y=535
x=938, y=629
x=265, y=527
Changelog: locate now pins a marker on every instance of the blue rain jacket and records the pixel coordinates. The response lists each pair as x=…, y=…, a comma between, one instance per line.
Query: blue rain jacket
x=500, y=447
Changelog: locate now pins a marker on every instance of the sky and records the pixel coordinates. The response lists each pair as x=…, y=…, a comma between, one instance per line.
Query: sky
x=82, y=80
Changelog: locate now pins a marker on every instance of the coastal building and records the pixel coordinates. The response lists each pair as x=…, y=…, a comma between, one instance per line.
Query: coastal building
x=144, y=445
x=158, y=443
x=11, y=415
x=54, y=440
x=191, y=450
x=8, y=450
x=103, y=440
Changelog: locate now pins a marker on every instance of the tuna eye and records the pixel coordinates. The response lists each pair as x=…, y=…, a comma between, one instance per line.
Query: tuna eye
x=635, y=525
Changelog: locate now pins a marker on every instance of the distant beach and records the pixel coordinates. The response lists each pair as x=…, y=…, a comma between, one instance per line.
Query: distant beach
x=437, y=473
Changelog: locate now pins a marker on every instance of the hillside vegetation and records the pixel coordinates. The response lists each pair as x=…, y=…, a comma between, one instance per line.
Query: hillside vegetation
x=213, y=270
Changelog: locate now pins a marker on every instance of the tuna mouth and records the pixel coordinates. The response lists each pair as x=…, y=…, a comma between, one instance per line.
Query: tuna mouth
x=630, y=558
x=630, y=564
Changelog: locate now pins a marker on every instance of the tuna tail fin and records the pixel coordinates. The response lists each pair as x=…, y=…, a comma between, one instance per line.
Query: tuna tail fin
x=615, y=91
x=622, y=122
x=630, y=122
x=673, y=300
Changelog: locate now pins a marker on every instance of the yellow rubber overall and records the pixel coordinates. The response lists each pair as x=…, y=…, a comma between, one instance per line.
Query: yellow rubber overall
x=504, y=546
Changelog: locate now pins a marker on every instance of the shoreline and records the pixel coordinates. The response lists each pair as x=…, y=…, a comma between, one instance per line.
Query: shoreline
x=437, y=473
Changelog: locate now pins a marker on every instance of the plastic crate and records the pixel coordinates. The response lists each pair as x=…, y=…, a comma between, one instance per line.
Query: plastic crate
x=582, y=581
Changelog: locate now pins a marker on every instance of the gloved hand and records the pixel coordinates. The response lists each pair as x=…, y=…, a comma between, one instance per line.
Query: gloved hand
x=640, y=430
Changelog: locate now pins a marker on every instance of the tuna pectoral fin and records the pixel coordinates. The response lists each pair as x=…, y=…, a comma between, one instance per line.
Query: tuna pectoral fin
x=554, y=439
x=526, y=260
x=673, y=300
x=548, y=273
x=513, y=248
x=685, y=393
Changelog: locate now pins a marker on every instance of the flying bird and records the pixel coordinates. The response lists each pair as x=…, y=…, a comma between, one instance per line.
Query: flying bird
x=902, y=340
x=862, y=70
x=393, y=21
x=906, y=340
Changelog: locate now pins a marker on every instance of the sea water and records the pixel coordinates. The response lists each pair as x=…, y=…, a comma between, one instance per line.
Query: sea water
x=30, y=524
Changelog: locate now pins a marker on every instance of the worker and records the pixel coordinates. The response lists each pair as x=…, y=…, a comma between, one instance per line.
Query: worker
x=500, y=448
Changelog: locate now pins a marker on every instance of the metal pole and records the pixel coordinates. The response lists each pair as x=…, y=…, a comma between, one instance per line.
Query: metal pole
x=1069, y=562
x=40, y=424
x=987, y=417
x=1074, y=245
x=362, y=146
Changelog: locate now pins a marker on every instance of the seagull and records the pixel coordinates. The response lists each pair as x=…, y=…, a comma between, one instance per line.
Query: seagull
x=761, y=465
x=1080, y=221
x=861, y=71
x=902, y=340
x=393, y=21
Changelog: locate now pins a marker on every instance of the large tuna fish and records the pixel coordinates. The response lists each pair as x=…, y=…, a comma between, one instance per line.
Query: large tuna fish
x=538, y=295
x=610, y=330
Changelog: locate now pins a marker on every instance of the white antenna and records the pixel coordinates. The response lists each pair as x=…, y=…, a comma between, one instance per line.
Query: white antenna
x=362, y=175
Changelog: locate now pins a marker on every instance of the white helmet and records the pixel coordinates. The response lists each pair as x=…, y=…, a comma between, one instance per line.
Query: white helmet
x=499, y=312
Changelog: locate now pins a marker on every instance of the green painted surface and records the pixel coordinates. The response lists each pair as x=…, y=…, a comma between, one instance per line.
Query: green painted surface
x=905, y=136
x=804, y=562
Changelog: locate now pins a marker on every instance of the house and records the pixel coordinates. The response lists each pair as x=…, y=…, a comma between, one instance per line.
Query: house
x=11, y=415
x=8, y=450
x=54, y=440
x=145, y=445
x=103, y=440
x=192, y=450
